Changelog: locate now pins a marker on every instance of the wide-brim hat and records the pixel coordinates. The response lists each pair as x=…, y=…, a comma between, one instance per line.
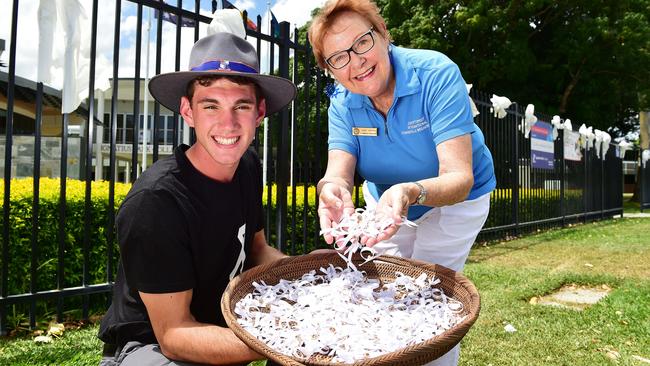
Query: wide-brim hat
x=222, y=54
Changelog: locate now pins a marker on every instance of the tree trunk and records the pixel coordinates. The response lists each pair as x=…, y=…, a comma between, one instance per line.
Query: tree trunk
x=569, y=88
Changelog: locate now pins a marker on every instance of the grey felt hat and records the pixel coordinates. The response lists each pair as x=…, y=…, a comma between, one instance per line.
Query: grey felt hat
x=222, y=54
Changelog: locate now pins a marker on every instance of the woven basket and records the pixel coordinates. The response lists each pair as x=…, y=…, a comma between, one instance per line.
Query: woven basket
x=383, y=268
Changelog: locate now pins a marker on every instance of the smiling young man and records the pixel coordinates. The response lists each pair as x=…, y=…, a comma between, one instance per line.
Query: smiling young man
x=194, y=220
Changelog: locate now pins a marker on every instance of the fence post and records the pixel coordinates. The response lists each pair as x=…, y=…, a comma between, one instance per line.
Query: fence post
x=640, y=179
x=584, y=185
x=283, y=146
x=602, y=183
x=514, y=194
x=7, y=177
x=562, y=178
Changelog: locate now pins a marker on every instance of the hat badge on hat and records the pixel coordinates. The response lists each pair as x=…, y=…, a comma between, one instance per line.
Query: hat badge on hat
x=222, y=54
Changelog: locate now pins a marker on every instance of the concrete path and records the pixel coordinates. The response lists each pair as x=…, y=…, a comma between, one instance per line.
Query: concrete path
x=638, y=214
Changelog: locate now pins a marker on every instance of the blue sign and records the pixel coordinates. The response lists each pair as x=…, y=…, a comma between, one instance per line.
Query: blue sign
x=542, y=148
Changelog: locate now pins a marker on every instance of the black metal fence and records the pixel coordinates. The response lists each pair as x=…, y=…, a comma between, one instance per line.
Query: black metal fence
x=295, y=149
x=529, y=198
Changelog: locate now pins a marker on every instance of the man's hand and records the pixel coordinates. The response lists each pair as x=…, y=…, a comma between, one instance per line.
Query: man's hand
x=333, y=202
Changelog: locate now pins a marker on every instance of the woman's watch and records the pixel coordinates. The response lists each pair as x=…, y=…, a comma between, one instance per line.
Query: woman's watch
x=422, y=196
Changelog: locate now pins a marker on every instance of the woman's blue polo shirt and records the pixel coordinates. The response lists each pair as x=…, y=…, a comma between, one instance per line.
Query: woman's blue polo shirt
x=430, y=106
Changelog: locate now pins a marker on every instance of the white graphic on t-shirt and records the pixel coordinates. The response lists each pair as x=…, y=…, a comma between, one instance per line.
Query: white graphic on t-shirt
x=239, y=266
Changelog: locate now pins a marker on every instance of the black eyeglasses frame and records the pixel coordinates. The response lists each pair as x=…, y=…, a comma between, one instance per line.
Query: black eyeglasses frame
x=351, y=49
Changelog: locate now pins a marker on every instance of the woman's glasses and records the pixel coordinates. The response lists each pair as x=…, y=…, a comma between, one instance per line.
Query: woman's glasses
x=362, y=45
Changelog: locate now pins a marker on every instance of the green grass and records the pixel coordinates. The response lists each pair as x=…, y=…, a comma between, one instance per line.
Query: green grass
x=615, y=253
x=630, y=206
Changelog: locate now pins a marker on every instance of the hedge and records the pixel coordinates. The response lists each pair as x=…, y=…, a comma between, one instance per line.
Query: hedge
x=533, y=205
x=20, y=222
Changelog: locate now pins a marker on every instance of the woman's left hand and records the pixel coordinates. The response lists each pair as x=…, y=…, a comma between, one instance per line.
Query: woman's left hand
x=394, y=203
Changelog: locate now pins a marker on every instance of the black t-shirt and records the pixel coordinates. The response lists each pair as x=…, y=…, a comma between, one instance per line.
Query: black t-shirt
x=178, y=230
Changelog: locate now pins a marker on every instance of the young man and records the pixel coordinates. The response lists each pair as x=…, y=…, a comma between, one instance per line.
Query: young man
x=193, y=221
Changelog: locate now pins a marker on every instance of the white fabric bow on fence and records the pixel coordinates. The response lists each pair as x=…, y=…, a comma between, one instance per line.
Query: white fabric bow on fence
x=499, y=105
x=607, y=138
x=591, y=136
x=599, y=140
x=602, y=143
x=645, y=156
x=557, y=125
x=227, y=21
x=623, y=147
x=587, y=136
x=567, y=125
x=529, y=119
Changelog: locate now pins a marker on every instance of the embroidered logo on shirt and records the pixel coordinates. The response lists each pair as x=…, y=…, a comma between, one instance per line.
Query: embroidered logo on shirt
x=364, y=131
x=416, y=126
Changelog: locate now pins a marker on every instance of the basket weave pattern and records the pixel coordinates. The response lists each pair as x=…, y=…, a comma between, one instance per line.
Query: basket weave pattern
x=453, y=284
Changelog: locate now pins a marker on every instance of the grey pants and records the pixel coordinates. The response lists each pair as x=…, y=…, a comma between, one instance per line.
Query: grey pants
x=139, y=354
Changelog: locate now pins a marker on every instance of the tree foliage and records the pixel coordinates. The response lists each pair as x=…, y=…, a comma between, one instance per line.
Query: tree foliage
x=585, y=60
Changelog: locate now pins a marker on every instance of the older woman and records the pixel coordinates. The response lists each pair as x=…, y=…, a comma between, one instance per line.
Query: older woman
x=402, y=118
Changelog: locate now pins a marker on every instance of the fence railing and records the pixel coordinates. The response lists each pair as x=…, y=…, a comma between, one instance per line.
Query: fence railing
x=528, y=198
x=292, y=144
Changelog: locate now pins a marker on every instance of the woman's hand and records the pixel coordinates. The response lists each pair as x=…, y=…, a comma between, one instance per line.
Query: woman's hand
x=333, y=202
x=394, y=204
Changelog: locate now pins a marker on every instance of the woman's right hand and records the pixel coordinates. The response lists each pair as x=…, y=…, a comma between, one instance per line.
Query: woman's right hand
x=333, y=202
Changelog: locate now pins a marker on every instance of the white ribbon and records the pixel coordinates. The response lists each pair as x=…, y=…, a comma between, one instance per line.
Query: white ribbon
x=557, y=125
x=529, y=119
x=599, y=140
x=591, y=136
x=645, y=156
x=344, y=314
x=623, y=147
x=499, y=105
x=587, y=136
x=583, y=135
x=607, y=138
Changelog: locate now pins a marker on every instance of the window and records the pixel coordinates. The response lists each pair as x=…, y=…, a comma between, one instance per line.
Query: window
x=141, y=132
x=128, y=130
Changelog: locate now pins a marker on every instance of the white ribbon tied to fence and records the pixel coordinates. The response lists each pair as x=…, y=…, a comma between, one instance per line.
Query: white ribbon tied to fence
x=499, y=105
x=557, y=125
x=623, y=147
x=602, y=143
x=645, y=156
x=607, y=138
x=529, y=119
x=591, y=137
x=587, y=136
x=599, y=140
x=567, y=125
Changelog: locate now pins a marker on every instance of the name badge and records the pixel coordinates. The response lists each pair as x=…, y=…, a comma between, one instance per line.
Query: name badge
x=364, y=131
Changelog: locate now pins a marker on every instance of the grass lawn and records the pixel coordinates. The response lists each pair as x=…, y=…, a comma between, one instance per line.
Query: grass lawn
x=630, y=206
x=615, y=253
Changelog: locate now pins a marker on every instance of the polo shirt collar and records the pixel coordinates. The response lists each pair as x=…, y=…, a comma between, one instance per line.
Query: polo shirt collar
x=406, y=80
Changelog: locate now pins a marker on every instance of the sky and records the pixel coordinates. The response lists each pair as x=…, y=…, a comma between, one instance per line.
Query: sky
x=298, y=11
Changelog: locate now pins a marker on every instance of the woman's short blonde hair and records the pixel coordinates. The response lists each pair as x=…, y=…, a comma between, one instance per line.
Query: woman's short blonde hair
x=330, y=12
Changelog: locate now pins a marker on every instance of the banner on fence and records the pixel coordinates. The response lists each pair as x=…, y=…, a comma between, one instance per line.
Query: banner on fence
x=572, y=146
x=542, y=149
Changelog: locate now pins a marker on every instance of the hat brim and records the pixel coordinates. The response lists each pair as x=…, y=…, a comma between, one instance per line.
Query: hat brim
x=168, y=88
